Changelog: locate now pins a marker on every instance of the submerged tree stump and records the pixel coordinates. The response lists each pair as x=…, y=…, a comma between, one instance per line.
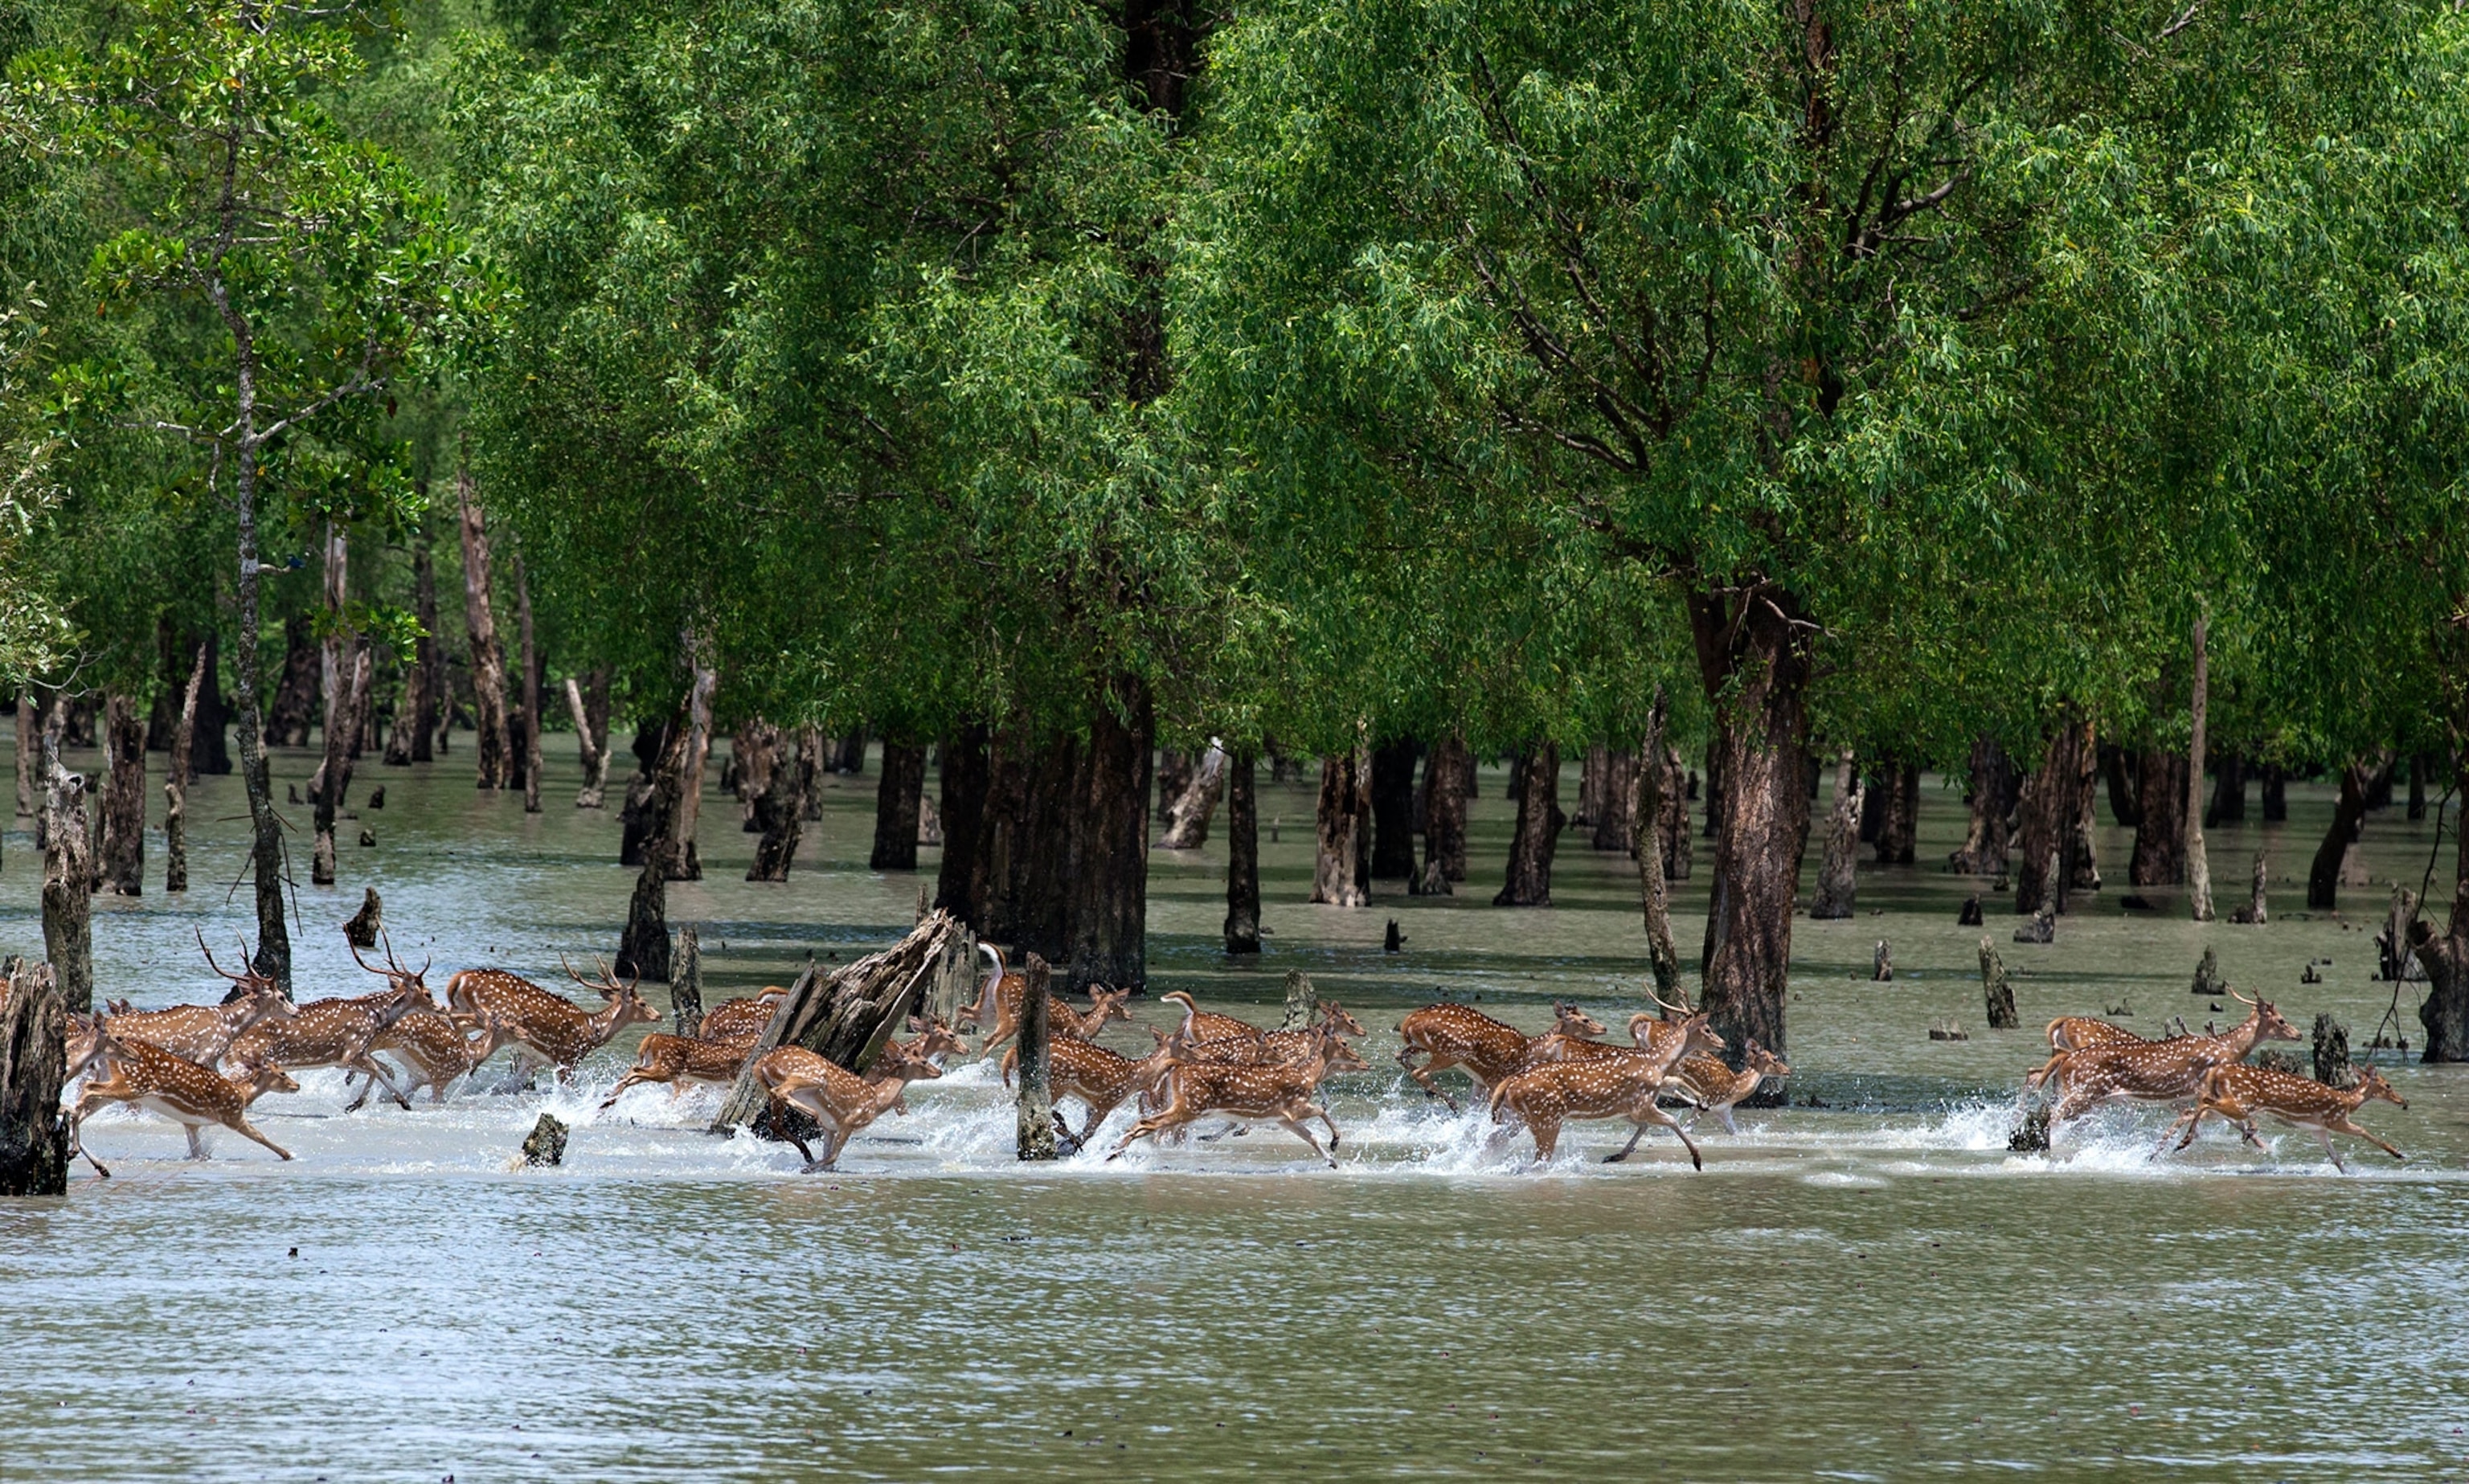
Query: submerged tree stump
x=68, y=883
x=1036, y=1106
x=1996, y=991
x=847, y=1016
x=685, y=983
x=361, y=930
x=2208, y=981
x=33, y=1063
x=2332, y=1068
x=1882, y=970
x=2254, y=913
x=545, y=1144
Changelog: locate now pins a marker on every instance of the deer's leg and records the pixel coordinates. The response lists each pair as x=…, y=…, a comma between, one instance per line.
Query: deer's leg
x=2344, y=1126
x=377, y=1074
x=247, y=1129
x=197, y=1150
x=630, y=1079
x=1423, y=1074
x=2184, y=1129
x=1546, y=1136
x=2323, y=1136
x=1305, y=1134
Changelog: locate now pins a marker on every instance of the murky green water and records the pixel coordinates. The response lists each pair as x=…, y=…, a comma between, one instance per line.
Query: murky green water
x=1871, y=1290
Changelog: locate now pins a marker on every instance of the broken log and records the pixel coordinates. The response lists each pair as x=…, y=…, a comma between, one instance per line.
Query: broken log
x=33, y=1064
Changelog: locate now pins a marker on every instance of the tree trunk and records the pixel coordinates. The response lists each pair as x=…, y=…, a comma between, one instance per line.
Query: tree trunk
x=848, y=755
x=175, y=784
x=2445, y=1010
x=1446, y=770
x=1338, y=822
x=1108, y=878
x=592, y=739
x=1649, y=785
x=2050, y=811
x=1837, y=872
x=1187, y=816
x=2125, y=790
x=495, y=746
x=122, y=866
x=2160, y=835
x=1024, y=830
x=1035, y=1107
x=1242, y=856
x=1898, y=820
x=1173, y=776
x=416, y=718
x=1753, y=657
x=685, y=983
x=2199, y=869
x=780, y=809
x=1672, y=823
x=333, y=784
x=1996, y=995
x=533, y=690
x=2228, y=790
x=638, y=818
x=963, y=808
x=1592, y=779
x=685, y=856
x=68, y=883
x=26, y=754
x=643, y=949
x=897, y=799
x=2348, y=822
x=2421, y=767
x=752, y=757
x=296, y=695
x=33, y=1064
x=1992, y=799
x=1539, y=823
x=1616, y=819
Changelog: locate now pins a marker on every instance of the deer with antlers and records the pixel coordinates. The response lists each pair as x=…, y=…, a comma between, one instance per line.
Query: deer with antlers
x=1252, y=1092
x=337, y=1032
x=1708, y=1086
x=1452, y=1034
x=549, y=1029
x=1616, y=1084
x=203, y=1032
x=1098, y=1078
x=2160, y=1071
x=838, y=1100
x=2237, y=1092
x=179, y=1088
x=1004, y=995
x=436, y=1049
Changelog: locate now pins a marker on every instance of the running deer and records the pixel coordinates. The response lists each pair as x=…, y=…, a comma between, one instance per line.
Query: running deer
x=436, y=1050
x=1709, y=1086
x=838, y=1100
x=551, y=1029
x=203, y=1032
x=2078, y=1033
x=1452, y=1034
x=1201, y=1027
x=179, y=1088
x=1623, y=1085
x=331, y=1033
x=742, y=1019
x=2238, y=1092
x=1004, y=993
x=681, y=1062
x=1097, y=1077
x=2160, y=1071
x=1247, y=1093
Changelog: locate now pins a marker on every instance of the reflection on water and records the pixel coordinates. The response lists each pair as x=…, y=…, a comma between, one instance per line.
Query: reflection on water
x=1873, y=1289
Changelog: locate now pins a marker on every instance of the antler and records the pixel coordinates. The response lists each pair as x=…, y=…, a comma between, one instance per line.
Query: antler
x=219, y=971
x=2240, y=998
x=1684, y=1008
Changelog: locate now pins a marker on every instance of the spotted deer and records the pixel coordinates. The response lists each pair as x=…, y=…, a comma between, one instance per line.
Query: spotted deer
x=681, y=1062
x=179, y=1089
x=1623, y=1085
x=1709, y=1086
x=1452, y=1034
x=331, y=1033
x=2237, y=1092
x=837, y=1099
x=2078, y=1033
x=2160, y=1071
x=551, y=1028
x=1003, y=995
x=203, y=1032
x=743, y=1018
x=1256, y=1091
x=436, y=1049
x=1097, y=1077
x=1202, y=1026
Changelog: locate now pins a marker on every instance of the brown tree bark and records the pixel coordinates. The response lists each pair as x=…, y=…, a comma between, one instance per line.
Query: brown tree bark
x=2348, y=822
x=68, y=882
x=1187, y=815
x=34, y=1065
x=1537, y=835
x=27, y=754
x=2199, y=869
x=2228, y=790
x=1991, y=800
x=1242, y=856
x=964, y=806
x=848, y=753
x=495, y=746
x=2160, y=832
x=2051, y=812
x=752, y=756
x=1035, y=1107
x=643, y=947
x=1615, y=821
x=1446, y=770
x=122, y=801
x=530, y=709
x=591, y=738
x=2125, y=788
x=685, y=856
x=294, y=710
x=1753, y=659
x=780, y=809
x=175, y=784
x=1899, y=818
x=2275, y=794
x=1342, y=815
x=1110, y=860
x=898, y=798
x=1837, y=871
x=415, y=719
x=332, y=782
x=1173, y=776
x=1648, y=785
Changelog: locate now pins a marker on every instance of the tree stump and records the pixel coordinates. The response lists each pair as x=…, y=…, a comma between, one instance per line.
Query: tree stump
x=33, y=1063
x=1299, y=1000
x=2254, y=914
x=1035, y=1106
x=1970, y=915
x=1882, y=970
x=68, y=884
x=545, y=1144
x=2332, y=1066
x=2042, y=929
x=1189, y=812
x=2445, y=1013
x=2207, y=976
x=1996, y=991
x=1836, y=872
x=361, y=930
x=685, y=983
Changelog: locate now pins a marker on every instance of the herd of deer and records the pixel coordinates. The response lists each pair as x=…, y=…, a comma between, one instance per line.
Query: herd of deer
x=202, y=1064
